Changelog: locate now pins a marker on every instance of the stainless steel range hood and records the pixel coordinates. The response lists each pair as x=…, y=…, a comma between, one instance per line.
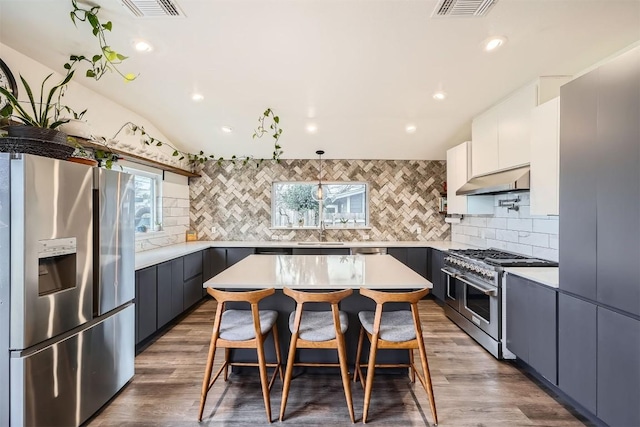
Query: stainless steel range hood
x=505, y=181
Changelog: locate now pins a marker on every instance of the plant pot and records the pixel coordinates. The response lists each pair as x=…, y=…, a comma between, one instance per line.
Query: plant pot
x=76, y=127
x=32, y=132
x=29, y=140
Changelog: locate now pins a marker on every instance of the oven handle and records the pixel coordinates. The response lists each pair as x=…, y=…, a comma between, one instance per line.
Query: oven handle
x=486, y=291
x=449, y=272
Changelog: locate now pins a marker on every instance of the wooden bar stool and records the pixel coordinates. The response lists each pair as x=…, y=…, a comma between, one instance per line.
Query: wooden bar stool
x=318, y=329
x=242, y=329
x=393, y=330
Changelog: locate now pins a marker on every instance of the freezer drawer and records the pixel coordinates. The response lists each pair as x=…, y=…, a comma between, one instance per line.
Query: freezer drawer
x=67, y=382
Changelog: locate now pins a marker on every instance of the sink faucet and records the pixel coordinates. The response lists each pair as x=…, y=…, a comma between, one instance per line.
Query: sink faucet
x=322, y=229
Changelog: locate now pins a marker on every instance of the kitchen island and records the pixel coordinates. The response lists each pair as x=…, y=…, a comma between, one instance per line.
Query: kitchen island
x=320, y=273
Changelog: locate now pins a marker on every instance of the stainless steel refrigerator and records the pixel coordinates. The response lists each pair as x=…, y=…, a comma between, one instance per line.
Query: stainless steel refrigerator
x=66, y=289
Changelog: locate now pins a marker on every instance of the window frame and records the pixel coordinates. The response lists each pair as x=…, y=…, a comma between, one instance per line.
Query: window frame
x=321, y=206
x=156, y=203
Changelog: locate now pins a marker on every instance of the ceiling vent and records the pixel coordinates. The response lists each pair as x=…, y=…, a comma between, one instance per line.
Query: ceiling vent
x=462, y=8
x=152, y=8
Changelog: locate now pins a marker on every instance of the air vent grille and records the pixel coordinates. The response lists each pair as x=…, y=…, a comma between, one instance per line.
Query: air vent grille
x=461, y=8
x=152, y=8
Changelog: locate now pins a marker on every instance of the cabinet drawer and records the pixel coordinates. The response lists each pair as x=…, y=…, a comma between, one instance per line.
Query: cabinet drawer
x=192, y=265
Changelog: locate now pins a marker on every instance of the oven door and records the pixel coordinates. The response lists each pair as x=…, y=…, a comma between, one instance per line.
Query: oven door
x=480, y=303
x=452, y=289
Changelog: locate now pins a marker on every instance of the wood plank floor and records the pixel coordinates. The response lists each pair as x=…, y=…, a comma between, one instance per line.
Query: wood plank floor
x=471, y=387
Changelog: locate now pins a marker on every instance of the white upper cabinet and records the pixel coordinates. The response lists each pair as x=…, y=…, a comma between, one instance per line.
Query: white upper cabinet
x=458, y=172
x=545, y=137
x=484, y=155
x=502, y=135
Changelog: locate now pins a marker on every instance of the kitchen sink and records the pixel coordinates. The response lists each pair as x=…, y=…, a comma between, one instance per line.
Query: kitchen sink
x=321, y=243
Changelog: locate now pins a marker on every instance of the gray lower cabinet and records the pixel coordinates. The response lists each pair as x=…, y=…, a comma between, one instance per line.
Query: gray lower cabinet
x=146, y=305
x=577, y=350
x=414, y=258
x=532, y=325
x=235, y=255
x=170, y=291
x=320, y=251
x=192, y=279
x=438, y=278
x=618, y=368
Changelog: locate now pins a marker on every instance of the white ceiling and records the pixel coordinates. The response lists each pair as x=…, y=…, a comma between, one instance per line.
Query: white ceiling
x=361, y=70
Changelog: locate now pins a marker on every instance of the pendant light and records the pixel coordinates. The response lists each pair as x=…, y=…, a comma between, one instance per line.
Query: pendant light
x=319, y=190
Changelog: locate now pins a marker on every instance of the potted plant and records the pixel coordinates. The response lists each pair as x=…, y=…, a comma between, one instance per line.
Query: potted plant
x=344, y=222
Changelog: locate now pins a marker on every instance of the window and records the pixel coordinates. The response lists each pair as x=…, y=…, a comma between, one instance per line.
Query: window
x=148, y=209
x=345, y=204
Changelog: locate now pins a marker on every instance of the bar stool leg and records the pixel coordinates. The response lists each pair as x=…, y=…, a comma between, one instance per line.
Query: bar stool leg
x=427, y=378
x=264, y=378
x=288, y=374
x=276, y=343
x=412, y=368
x=371, y=366
x=358, y=371
x=344, y=372
x=207, y=373
x=227, y=351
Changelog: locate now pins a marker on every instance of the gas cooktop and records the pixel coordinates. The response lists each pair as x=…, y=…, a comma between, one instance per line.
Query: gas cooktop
x=497, y=257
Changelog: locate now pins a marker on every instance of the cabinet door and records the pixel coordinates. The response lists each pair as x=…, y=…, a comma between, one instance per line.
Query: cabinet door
x=518, y=305
x=177, y=287
x=429, y=264
x=146, y=305
x=417, y=260
x=578, y=225
x=577, y=348
x=514, y=127
x=206, y=264
x=618, y=369
x=437, y=276
x=543, y=327
x=618, y=183
x=192, y=265
x=192, y=291
x=401, y=254
x=545, y=120
x=306, y=251
x=484, y=147
x=334, y=251
x=237, y=254
x=457, y=175
x=218, y=259
x=165, y=310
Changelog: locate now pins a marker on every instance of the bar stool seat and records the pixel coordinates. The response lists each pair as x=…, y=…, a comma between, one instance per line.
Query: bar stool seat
x=318, y=325
x=242, y=329
x=237, y=325
x=395, y=326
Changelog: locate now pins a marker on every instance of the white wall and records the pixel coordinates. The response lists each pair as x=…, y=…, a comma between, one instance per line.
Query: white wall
x=513, y=231
x=175, y=215
x=104, y=115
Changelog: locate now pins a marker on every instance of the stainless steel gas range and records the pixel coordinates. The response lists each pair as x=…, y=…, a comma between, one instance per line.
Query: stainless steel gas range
x=475, y=297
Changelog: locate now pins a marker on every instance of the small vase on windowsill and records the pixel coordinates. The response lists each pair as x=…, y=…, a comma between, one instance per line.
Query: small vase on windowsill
x=301, y=222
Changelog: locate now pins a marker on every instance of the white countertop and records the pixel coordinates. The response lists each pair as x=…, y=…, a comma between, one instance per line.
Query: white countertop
x=319, y=272
x=548, y=276
x=157, y=256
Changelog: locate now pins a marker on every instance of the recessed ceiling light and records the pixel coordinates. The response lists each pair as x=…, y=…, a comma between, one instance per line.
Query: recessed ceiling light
x=312, y=128
x=410, y=128
x=197, y=97
x=439, y=95
x=494, y=43
x=226, y=129
x=142, y=46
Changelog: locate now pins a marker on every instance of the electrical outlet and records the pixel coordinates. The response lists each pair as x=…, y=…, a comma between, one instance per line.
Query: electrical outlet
x=213, y=230
x=418, y=230
x=366, y=237
x=275, y=237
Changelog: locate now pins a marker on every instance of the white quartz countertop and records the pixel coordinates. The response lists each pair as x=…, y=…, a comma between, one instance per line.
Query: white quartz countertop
x=157, y=256
x=548, y=276
x=319, y=272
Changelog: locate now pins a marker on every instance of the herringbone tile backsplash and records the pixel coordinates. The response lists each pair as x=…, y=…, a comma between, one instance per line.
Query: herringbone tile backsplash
x=236, y=200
